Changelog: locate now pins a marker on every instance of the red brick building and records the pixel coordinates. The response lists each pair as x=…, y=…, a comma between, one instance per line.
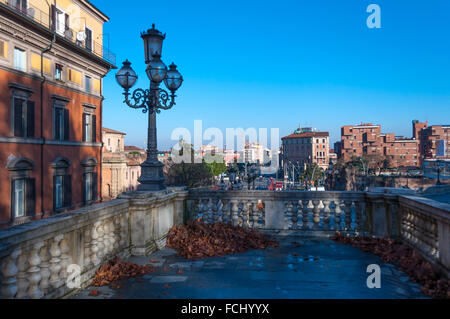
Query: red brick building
x=366, y=139
x=305, y=148
x=50, y=112
x=434, y=141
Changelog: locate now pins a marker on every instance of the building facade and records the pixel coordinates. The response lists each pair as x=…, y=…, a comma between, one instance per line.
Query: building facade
x=52, y=63
x=114, y=161
x=427, y=142
x=305, y=148
x=434, y=140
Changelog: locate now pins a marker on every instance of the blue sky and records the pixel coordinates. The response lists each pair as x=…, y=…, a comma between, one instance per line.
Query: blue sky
x=280, y=64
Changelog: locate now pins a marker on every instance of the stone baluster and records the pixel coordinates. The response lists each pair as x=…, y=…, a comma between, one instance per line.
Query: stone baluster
x=244, y=214
x=34, y=272
x=261, y=215
x=66, y=259
x=255, y=215
x=337, y=215
x=288, y=215
x=306, y=224
x=326, y=215
x=299, y=214
x=360, y=216
x=9, y=272
x=124, y=230
x=100, y=240
x=234, y=212
x=87, y=247
x=219, y=211
x=199, y=209
x=348, y=214
x=22, y=276
x=109, y=237
x=55, y=261
x=116, y=233
x=44, y=285
x=95, y=258
x=316, y=213
x=226, y=211
x=214, y=211
x=210, y=213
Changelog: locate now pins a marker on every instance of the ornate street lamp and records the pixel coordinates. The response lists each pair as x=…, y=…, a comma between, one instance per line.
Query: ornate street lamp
x=152, y=101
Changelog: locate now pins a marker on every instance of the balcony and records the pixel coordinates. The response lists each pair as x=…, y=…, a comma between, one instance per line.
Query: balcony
x=136, y=225
x=43, y=18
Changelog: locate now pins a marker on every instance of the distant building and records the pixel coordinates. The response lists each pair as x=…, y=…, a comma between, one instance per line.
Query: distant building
x=367, y=139
x=114, y=163
x=427, y=142
x=305, y=148
x=254, y=153
x=434, y=140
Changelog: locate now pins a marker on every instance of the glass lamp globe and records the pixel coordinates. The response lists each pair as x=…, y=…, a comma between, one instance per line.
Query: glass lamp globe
x=156, y=69
x=173, y=78
x=126, y=77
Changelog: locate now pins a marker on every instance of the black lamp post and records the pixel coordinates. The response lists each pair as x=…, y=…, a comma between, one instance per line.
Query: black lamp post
x=151, y=100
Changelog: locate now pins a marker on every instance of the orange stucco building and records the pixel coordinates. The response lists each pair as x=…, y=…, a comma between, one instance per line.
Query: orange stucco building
x=50, y=120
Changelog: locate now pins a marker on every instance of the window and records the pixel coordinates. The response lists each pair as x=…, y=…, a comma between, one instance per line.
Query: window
x=19, y=197
x=20, y=60
x=89, y=127
x=23, y=194
x=88, y=40
x=90, y=187
x=88, y=84
x=118, y=146
x=23, y=117
x=61, y=122
x=90, y=180
x=58, y=72
x=62, y=184
x=109, y=142
x=20, y=5
x=59, y=19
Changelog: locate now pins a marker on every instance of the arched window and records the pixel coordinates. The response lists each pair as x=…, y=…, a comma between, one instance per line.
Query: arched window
x=90, y=180
x=62, y=184
x=23, y=189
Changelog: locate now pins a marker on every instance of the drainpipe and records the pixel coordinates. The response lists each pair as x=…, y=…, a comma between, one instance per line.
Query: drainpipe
x=42, y=120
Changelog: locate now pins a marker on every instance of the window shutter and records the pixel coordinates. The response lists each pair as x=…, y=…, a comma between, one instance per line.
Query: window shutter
x=94, y=129
x=54, y=192
x=83, y=188
x=53, y=17
x=67, y=191
x=84, y=128
x=30, y=199
x=67, y=21
x=18, y=109
x=13, y=198
x=30, y=118
x=94, y=186
x=57, y=123
x=66, y=125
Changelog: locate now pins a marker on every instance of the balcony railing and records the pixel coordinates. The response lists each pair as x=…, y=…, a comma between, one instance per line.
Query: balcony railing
x=422, y=223
x=44, y=19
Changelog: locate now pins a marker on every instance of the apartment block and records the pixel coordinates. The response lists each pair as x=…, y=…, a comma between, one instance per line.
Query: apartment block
x=305, y=147
x=52, y=62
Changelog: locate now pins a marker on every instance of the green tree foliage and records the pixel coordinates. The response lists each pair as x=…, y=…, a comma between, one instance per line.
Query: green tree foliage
x=312, y=173
x=189, y=174
x=216, y=164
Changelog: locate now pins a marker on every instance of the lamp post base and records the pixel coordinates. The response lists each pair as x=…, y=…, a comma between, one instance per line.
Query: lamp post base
x=152, y=177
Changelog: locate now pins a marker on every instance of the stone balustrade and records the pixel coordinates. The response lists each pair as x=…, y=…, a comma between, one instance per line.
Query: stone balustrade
x=35, y=257
x=420, y=222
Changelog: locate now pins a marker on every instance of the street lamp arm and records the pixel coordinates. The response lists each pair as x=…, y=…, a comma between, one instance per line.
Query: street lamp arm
x=164, y=100
x=139, y=99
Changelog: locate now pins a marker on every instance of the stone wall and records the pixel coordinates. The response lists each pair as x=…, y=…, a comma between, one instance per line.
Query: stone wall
x=34, y=257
